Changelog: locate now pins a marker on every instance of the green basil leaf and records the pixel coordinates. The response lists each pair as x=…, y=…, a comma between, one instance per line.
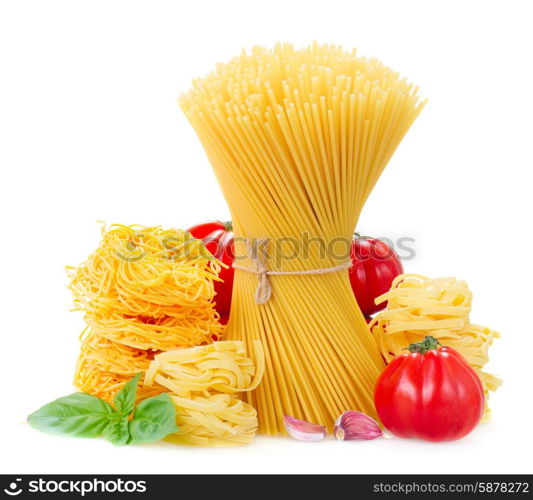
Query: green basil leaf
x=79, y=414
x=125, y=398
x=154, y=419
x=117, y=431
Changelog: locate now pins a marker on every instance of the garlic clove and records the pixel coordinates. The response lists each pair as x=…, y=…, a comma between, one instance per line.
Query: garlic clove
x=302, y=430
x=352, y=425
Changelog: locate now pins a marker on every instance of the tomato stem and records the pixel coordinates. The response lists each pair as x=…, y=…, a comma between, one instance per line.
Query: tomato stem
x=228, y=225
x=426, y=345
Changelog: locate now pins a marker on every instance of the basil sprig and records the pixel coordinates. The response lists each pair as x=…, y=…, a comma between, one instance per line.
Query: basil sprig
x=84, y=415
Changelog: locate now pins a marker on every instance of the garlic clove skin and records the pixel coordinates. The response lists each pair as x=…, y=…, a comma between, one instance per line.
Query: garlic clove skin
x=354, y=425
x=304, y=431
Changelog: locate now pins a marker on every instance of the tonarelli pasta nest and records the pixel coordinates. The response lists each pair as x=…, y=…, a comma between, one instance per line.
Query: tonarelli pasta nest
x=144, y=290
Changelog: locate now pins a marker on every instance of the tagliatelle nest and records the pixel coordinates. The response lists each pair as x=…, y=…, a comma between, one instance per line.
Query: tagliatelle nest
x=418, y=306
x=220, y=367
x=220, y=420
x=203, y=382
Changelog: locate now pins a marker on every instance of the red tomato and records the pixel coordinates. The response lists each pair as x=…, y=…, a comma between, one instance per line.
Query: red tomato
x=429, y=393
x=375, y=265
x=218, y=239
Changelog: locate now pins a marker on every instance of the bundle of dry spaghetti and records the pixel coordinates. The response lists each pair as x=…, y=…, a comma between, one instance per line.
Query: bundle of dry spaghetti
x=144, y=290
x=202, y=381
x=298, y=139
x=418, y=306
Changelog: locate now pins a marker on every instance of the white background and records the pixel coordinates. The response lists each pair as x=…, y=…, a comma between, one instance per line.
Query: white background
x=90, y=130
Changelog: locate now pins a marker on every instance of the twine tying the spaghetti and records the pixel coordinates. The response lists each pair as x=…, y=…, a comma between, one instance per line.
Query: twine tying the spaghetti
x=263, y=291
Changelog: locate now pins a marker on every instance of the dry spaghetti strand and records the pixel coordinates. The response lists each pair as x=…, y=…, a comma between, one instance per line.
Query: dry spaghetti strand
x=298, y=138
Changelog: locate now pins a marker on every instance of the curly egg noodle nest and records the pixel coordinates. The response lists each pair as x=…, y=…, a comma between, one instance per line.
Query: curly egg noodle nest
x=144, y=290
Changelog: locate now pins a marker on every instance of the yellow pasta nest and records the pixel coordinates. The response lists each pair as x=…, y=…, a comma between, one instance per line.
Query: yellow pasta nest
x=144, y=290
x=160, y=333
x=104, y=366
x=105, y=355
x=218, y=420
x=418, y=306
x=149, y=288
x=202, y=382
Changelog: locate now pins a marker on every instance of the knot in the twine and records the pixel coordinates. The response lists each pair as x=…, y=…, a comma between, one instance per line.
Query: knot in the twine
x=263, y=291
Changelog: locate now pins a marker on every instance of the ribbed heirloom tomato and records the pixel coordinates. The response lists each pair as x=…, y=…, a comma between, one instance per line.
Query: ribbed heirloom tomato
x=429, y=393
x=218, y=239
